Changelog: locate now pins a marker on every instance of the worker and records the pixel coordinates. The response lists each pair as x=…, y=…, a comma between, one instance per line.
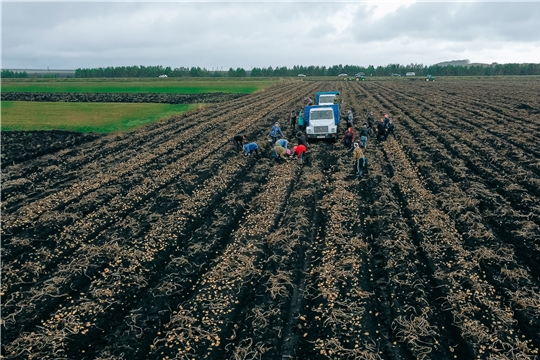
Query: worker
x=337, y=99
x=300, y=152
x=301, y=138
x=301, y=122
x=292, y=118
x=370, y=121
x=274, y=132
x=349, y=118
x=364, y=135
x=279, y=152
x=381, y=131
x=307, y=101
x=386, y=120
x=251, y=147
x=359, y=159
x=348, y=138
x=238, y=142
x=282, y=142
x=390, y=129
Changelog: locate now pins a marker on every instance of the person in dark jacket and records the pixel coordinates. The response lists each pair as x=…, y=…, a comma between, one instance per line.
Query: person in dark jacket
x=370, y=121
x=390, y=129
x=275, y=132
x=386, y=120
x=348, y=138
x=292, y=118
x=301, y=137
x=381, y=130
x=238, y=142
x=251, y=147
x=364, y=135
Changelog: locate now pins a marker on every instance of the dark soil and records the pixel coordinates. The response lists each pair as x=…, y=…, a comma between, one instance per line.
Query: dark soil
x=20, y=146
x=166, y=243
x=121, y=97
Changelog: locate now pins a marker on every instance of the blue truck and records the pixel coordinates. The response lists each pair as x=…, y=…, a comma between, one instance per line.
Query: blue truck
x=326, y=97
x=322, y=119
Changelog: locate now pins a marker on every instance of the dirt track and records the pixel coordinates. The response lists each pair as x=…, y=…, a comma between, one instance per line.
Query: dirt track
x=164, y=243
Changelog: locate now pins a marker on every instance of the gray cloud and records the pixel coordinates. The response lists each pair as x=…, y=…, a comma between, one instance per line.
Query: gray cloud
x=455, y=22
x=211, y=35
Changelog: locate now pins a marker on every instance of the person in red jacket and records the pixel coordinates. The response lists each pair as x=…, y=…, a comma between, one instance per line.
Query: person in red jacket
x=300, y=151
x=348, y=139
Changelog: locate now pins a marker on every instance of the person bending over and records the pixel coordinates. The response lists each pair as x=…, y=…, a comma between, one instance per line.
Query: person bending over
x=250, y=148
x=238, y=142
x=300, y=152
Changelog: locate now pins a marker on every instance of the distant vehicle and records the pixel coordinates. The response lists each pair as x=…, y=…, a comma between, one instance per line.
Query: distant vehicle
x=342, y=75
x=359, y=74
x=410, y=74
x=430, y=78
x=301, y=75
x=163, y=76
x=395, y=75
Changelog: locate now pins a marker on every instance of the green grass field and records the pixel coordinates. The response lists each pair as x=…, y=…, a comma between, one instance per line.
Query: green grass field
x=84, y=117
x=169, y=85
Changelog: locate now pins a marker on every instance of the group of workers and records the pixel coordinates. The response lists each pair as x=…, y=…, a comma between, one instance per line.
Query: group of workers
x=383, y=129
x=280, y=145
x=281, y=149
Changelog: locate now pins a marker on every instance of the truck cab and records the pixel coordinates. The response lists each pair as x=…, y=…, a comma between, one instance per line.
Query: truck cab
x=322, y=121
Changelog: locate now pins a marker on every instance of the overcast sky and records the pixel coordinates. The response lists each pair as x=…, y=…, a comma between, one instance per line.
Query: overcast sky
x=215, y=35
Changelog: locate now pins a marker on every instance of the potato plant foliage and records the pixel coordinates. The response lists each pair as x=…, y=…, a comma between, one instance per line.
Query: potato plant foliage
x=163, y=243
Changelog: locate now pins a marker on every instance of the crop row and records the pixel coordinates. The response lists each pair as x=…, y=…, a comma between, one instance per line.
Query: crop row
x=489, y=297
x=90, y=230
x=145, y=148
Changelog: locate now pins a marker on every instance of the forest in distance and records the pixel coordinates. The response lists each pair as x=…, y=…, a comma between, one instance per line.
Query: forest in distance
x=283, y=71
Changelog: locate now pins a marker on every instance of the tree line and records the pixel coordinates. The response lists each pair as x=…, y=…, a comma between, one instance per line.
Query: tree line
x=6, y=74
x=13, y=74
x=418, y=69
x=351, y=70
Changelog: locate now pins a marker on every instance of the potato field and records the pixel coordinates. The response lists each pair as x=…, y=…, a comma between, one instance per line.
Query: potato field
x=164, y=243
